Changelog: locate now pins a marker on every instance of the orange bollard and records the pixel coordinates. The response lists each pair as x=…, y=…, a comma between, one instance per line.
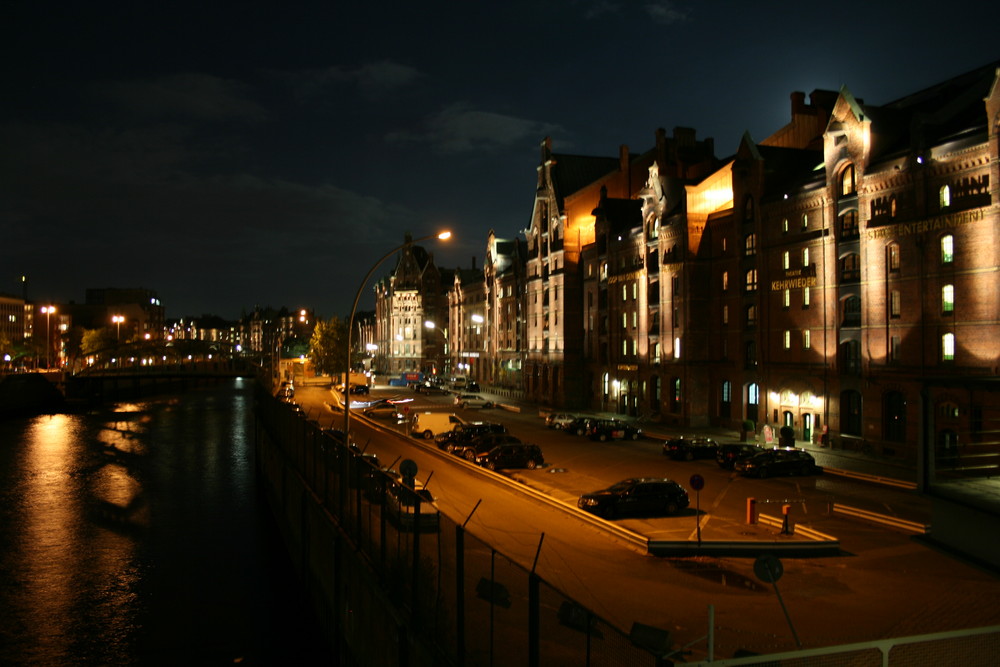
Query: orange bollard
x=785, y=524
x=751, y=511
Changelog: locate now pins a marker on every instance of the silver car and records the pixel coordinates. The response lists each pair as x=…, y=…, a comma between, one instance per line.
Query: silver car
x=472, y=401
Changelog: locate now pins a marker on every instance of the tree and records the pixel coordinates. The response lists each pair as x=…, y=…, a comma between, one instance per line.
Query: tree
x=327, y=347
x=97, y=340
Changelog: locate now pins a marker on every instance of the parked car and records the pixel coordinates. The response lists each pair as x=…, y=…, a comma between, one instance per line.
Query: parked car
x=644, y=495
x=404, y=511
x=472, y=401
x=772, y=462
x=426, y=425
x=428, y=388
x=729, y=453
x=360, y=389
x=511, y=456
x=580, y=425
x=463, y=434
x=559, y=419
x=382, y=411
x=472, y=386
x=613, y=429
x=689, y=449
x=483, y=443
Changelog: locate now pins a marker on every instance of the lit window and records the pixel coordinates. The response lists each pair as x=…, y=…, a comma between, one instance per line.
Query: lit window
x=948, y=347
x=787, y=339
x=895, y=304
x=892, y=256
x=751, y=281
x=750, y=245
x=725, y=280
x=948, y=299
x=677, y=348
x=624, y=320
x=805, y=220
x=725, y=314
x=624, y=292
x=944, y=196
x=806, y=295
x=751, y=316
x=635, y=319
x=806, y=339
x=786, y=298
x=784, y=225
x=805, y=257
x=847, y=185
x=635, y=290
x=624, y=347
x=786, y=260
x=947, y=249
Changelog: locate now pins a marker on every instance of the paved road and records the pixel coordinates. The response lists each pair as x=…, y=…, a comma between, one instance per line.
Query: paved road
x=883, y=584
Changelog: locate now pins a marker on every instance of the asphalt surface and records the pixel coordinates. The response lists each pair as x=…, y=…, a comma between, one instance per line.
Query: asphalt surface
x=882, y=582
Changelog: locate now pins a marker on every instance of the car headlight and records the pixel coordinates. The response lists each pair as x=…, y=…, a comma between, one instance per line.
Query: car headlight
x=588, y=502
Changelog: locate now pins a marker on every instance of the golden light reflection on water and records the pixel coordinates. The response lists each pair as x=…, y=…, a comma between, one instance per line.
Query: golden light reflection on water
x=72, y=502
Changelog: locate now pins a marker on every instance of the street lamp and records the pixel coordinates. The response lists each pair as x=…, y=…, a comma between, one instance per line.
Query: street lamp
x=118, y=319
x=47, y=311
x=442, y=236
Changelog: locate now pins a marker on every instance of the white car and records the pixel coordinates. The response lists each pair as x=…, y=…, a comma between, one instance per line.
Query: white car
x=559, y=419
x=472, y=401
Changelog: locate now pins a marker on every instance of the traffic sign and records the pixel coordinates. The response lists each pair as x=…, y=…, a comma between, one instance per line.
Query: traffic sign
x=697, y=482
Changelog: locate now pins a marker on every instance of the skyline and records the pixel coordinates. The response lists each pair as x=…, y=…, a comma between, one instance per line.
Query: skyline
x=226, y=159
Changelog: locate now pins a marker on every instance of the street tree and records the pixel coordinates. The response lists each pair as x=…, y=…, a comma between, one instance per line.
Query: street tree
x=327, y=347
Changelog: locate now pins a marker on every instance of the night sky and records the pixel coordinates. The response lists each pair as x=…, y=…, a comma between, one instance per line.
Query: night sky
x=230, y=154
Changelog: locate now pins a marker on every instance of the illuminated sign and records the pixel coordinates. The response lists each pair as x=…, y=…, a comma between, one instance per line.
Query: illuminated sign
x=796, y=278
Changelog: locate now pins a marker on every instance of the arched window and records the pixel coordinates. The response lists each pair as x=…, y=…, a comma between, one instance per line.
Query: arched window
x=750, y=245
x=849, y=224
x=751, y=315
x=944, y=196
x=751, y=280
x=847, y=183
x=892, y=256
x=675, y=395
x=753, y=401
x=850, y=268
x=748, y=211
x=726, y=400
x=894, y=417
x=948, y=299
x=948, y=347
x=947, y=249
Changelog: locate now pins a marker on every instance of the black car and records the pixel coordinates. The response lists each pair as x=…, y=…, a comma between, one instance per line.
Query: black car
x=580, y=425
x=429, y=388
x=729, y=453
x=613, y=429
x=511, y=456
x=482, y=444
x=772, y=462
x=645, y=495
x=689, y=449
x=464, y=434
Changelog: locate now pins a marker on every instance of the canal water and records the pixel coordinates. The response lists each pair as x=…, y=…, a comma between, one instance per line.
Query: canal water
x=135, y=535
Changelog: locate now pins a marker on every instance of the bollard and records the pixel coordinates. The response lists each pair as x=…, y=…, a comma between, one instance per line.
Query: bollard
x=785, y=523
x=751, y=511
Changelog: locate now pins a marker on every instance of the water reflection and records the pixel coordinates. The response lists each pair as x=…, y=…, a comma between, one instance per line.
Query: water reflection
x=134, y=536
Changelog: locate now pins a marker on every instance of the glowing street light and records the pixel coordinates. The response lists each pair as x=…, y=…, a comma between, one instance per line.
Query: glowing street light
x=47, y=311
x=442, y=236
x=118, y=319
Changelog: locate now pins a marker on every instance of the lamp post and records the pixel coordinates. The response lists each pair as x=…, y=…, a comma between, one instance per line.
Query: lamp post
x=118, y=319
x=443, y=236
x=47, y=311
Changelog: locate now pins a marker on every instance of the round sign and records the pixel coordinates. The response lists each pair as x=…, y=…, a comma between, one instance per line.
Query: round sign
x=768, y=568
x=697, y=482
x=406, y=408
x=408, y=468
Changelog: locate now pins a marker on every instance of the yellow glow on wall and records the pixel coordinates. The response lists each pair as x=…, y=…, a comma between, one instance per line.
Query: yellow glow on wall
x=713, y=194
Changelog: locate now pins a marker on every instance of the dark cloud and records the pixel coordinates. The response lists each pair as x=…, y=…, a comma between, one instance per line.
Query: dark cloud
x=463, y=129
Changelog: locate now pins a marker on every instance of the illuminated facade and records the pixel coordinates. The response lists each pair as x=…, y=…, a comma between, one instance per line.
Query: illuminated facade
x=503, y=273
x=467, y=324
x=405, y=301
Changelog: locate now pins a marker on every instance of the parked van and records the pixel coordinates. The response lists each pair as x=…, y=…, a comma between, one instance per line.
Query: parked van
x=459, y=382
x=426, y=425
